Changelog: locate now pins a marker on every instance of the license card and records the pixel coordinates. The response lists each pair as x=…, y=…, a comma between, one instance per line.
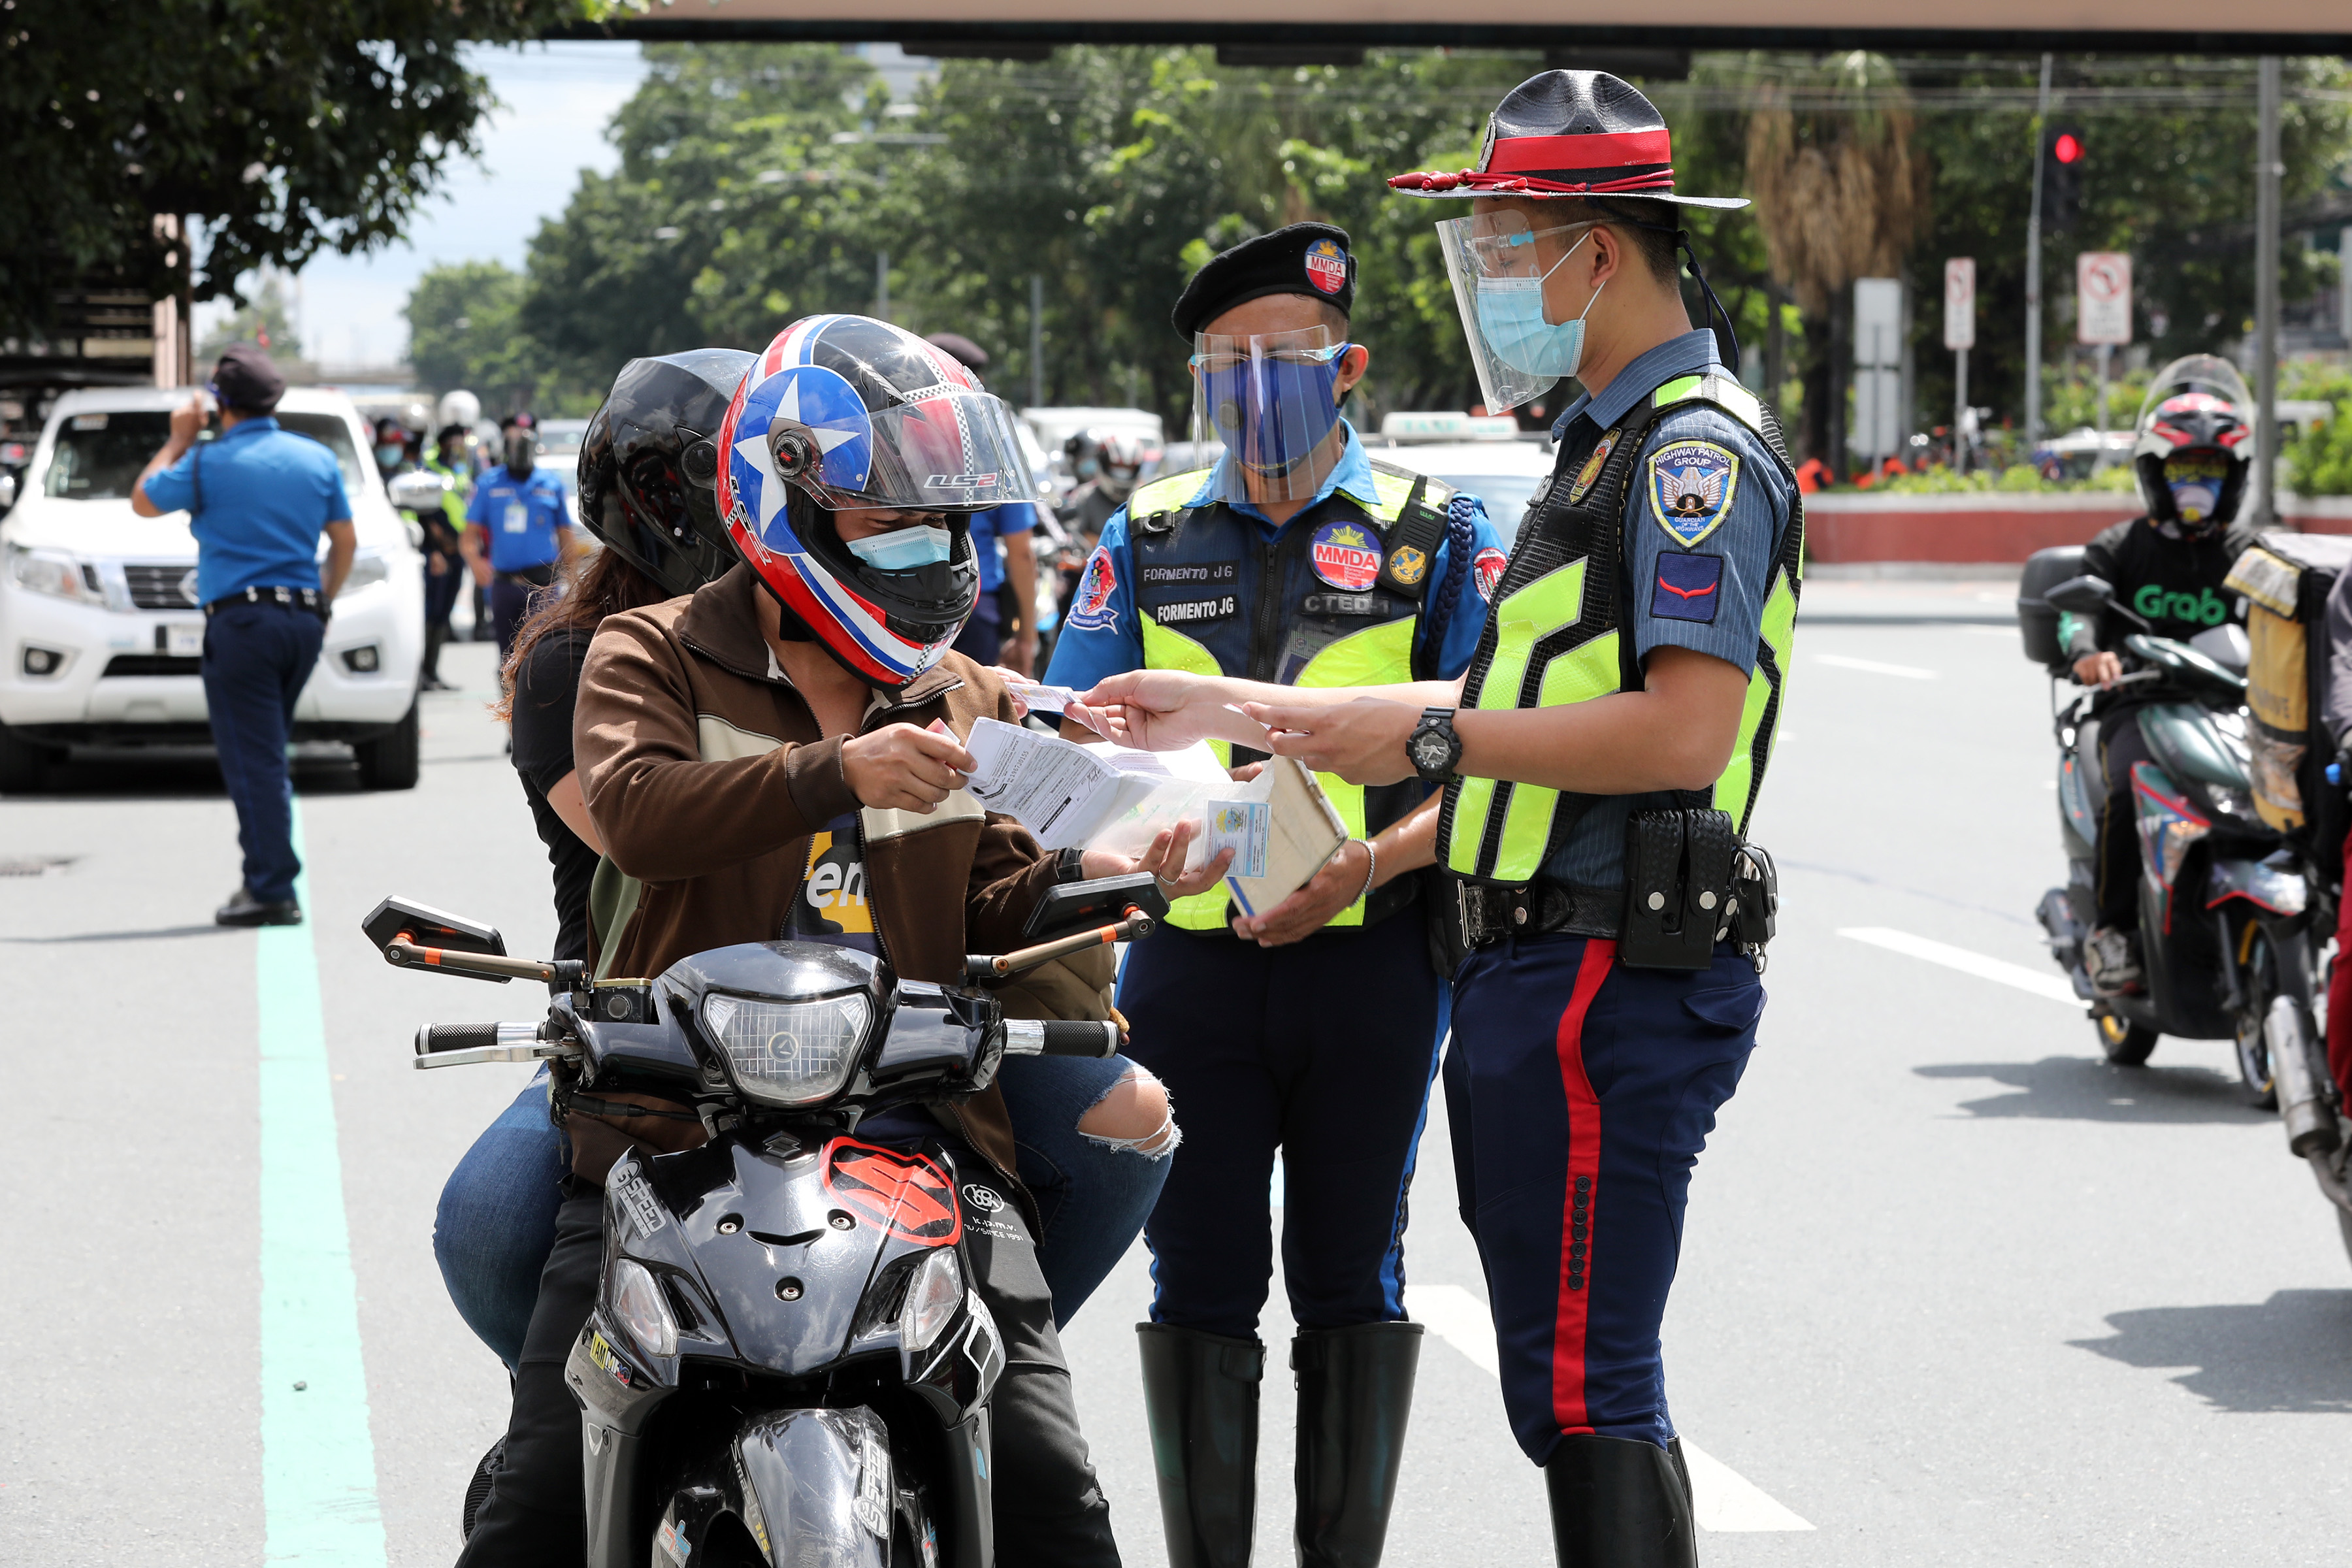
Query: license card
x=184, y=639
x=1242, y=826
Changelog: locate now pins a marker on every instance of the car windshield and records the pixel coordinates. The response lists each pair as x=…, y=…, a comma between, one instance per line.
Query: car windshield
x=98, y=456
x=1506, y=496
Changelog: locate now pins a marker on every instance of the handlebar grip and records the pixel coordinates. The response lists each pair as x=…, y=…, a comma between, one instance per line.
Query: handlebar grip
x=436, y=1038
x=1060, y=1037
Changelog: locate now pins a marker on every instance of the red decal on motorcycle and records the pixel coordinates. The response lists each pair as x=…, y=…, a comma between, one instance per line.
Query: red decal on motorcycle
x=908, y=1194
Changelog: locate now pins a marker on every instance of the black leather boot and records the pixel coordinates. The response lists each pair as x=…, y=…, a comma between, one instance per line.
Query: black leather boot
x=1619, y=1504
x=1200, y=1400
x=1355, y=1393
x=430, y=673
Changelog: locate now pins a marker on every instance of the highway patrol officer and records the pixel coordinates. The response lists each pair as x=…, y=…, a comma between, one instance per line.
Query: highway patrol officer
x=1598, y=758
x=1296, y=559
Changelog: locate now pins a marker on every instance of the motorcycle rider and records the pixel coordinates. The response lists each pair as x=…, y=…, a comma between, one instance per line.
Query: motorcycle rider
x=801, y=715
x=1108, y=464
x=2190, y=459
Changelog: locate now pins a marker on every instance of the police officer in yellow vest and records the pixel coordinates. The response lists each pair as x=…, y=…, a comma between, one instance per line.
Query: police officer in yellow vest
x=1600, y=760
x=1311, y=1028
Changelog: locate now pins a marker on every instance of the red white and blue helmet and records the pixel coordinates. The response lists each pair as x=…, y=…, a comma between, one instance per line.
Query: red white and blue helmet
x=847, y=411
x=2194, y=445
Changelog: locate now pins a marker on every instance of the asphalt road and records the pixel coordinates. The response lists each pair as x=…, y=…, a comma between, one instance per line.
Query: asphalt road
x=1953, y=1292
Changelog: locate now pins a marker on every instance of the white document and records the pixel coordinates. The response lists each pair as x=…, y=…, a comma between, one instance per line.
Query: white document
x=1088, y=797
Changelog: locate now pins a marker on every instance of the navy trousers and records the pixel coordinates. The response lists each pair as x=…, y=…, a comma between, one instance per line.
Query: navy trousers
x=1323, y=1049
x=1580, y=1093
x=257, y=657
x=513, y=596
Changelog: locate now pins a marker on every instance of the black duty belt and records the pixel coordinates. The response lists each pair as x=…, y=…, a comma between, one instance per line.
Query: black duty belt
x=1491, y=913
x=293, y=598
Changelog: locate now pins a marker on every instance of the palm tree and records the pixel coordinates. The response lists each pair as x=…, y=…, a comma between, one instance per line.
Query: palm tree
x=1840, y=192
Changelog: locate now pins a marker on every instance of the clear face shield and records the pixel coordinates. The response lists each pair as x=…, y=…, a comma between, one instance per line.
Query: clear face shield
x=1272, y=400
x=1499, y=265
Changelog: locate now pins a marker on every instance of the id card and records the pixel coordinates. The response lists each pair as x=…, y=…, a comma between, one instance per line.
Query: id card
x=518, y=517
x=1240, y=825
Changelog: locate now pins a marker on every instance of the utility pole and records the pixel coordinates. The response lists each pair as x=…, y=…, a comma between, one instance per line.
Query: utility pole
x=2033, y=273
x=1036, y=340
x=2267, y=169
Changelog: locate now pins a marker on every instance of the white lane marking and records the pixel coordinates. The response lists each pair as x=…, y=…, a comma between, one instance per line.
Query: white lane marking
x=1872, y=667
x=2039, y=982
x=1723, y=1498
x=1991, y=631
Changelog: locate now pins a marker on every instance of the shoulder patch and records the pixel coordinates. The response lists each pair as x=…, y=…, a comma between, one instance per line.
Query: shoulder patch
x=1587, y=475
x=1688, y=588
x=1486, y=569
x=1691, y=484
x=1090, y=608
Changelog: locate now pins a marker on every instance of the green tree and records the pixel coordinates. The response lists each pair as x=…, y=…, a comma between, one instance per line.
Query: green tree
x=288, y=126
x=465, y=330
x=265, y=319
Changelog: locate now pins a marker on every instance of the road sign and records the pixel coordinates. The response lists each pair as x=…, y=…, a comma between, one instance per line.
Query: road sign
x=1960, y=302
x=2102, y=291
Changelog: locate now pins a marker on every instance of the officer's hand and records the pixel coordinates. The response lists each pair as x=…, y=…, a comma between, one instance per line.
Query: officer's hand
x=1362, y=740
x=188, y=421
x=1310, y=909
x=2097, y=670
x=901, y=767
x=1164, y=858
x=1159, y=709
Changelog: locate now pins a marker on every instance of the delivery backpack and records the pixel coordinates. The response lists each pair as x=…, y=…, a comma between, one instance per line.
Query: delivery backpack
x=2286, y=579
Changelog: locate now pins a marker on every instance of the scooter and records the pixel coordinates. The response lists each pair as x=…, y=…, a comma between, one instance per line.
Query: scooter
x=2227, y=947
x=787, y=1362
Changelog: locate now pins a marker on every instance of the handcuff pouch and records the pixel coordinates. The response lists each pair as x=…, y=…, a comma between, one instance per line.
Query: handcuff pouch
x=1678, y=886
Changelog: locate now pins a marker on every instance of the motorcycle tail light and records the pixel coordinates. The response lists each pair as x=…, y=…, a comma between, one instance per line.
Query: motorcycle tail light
x=932, y=1299
x=638, y=1305
x=788, y=1053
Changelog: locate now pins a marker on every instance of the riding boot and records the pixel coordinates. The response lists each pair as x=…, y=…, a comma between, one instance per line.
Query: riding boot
x=1682, y=1474
x=1200, y=1401
x=1355, y=1392
x=1618, y=1504
x=430, y=673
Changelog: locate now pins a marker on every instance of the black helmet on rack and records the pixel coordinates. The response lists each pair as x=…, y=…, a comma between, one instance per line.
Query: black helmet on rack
x=649, y=463
x=2195, y=444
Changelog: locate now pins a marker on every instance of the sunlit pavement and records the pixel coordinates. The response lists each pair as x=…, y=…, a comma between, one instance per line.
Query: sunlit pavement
x=1952, y=1292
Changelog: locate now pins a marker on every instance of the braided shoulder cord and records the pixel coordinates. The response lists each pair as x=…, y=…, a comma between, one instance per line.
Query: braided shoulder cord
x=1460, y=541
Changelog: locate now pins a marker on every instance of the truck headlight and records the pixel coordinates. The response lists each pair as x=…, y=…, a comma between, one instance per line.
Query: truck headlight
x=367, y=570
x=44, y=571
x=788, y=1053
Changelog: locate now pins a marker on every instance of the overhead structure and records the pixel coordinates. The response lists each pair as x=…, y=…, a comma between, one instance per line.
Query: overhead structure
x=1285, y=32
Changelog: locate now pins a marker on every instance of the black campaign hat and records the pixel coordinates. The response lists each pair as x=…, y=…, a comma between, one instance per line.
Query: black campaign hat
x=1310, y=258
x=1569, y=133
x=245, y=381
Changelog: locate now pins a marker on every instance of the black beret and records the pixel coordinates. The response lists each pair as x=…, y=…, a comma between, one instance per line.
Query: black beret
x=246, y=381
x=1310, y=258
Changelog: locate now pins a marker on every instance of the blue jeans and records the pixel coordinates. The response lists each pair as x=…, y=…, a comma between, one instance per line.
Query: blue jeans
x=496, y=1223
x=256, y=659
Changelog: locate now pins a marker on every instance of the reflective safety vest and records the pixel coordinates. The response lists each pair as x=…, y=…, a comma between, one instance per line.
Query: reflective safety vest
x=1332, y=600
x=1559, y=632
x=453, y=499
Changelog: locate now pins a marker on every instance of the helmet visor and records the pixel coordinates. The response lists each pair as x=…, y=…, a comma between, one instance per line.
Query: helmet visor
x=1272, y=401
x=949, y=450
x=1497, y=263
x=2207, y=373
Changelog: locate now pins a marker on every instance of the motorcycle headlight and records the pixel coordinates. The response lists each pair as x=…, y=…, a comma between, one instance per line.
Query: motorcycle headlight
x=932, y=1299
x=788, y=1053
x=638, y=1303
x=367, y=570
x=42, y=572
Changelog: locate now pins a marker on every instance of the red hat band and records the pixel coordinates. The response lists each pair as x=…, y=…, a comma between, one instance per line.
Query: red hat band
x=1596, y=162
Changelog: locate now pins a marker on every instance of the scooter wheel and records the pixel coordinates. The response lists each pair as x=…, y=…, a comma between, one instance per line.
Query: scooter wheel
x=2125, y=1044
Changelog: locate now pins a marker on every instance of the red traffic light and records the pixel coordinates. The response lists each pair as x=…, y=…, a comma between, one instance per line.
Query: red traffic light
x=2068, y=148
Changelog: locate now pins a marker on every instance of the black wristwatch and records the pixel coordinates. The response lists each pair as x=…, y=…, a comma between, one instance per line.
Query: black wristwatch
x=1433, y=747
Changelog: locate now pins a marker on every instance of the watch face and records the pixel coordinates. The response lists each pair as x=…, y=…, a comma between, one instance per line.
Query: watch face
x=1429, y=749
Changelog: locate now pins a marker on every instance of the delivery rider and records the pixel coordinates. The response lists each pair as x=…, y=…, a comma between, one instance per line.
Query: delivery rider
x=1599, y=761
x=1310, y=1027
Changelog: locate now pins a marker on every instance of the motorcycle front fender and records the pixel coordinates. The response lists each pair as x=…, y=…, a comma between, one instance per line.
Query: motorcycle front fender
x=2265, y=886
x=814, y=1486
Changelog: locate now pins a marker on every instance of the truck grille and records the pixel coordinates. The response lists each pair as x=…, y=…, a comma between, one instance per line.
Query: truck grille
x=158, y=588
x=152, y=664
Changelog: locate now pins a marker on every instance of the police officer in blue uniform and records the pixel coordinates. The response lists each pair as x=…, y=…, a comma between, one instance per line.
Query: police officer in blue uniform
x=1311, y=1028
x=519, y=507
x=1600, y=762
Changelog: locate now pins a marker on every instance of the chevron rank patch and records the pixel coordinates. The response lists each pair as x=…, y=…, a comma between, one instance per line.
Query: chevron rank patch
x=1691, y=487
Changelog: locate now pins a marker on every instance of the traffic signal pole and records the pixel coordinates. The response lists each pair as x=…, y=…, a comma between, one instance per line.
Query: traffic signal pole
x=2033, y=272
x=2267, y=169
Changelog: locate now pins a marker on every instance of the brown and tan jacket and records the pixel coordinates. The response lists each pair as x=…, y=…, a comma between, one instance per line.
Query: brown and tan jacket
x=706, y=775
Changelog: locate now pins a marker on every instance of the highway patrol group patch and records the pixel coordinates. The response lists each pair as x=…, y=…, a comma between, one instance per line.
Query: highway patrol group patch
x=1691, y=487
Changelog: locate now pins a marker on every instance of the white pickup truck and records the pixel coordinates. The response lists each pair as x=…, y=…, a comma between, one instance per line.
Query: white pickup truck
x=100, y=632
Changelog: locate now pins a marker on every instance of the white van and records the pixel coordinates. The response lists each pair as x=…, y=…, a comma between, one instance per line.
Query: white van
x=100, y=626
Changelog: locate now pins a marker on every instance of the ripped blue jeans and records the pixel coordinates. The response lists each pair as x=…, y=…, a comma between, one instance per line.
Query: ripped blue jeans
x=496, y=1222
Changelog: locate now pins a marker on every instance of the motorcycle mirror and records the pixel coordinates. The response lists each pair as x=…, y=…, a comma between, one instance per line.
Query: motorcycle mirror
x=2084, y=595
x=1074, y=906
x=417, y=490
x=428, y=927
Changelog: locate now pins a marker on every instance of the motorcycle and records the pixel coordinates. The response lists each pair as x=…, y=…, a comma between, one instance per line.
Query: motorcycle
x=787, y=1361
x=2229, y=949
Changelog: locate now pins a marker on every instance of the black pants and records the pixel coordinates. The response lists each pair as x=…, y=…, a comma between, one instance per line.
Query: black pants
x=513, y=596
x=1049, y=1511
x=2120, y=745
x=256, y=659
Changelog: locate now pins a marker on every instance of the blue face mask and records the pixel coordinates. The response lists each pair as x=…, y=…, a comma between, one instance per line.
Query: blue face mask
x=904, y=549
x=1511, y=319
x=1273, y=412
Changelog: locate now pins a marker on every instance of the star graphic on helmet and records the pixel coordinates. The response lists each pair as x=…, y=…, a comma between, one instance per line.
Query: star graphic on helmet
x=755, y=451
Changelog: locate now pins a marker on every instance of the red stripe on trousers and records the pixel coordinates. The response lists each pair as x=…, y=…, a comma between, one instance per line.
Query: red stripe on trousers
x=1583, y=1160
